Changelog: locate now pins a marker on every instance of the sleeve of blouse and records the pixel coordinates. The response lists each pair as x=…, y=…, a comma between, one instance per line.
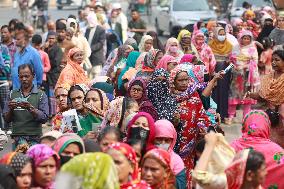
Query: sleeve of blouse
x=209, y=180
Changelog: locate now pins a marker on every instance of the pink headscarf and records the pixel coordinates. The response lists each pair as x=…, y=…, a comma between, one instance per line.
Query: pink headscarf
x=163, y=63
x=170, y=41
x=165, y=128
x=187, y=58
x=255, y=134
x=237, y=21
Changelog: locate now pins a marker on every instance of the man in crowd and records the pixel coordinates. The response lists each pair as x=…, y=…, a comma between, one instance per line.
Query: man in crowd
x=26, y=108
x=26, y=54
x=122, y=19
x=7, y=39
x=137, y=25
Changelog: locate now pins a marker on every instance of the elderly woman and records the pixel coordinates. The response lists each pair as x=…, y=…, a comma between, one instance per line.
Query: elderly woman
x=22, y=166
x=255, y=135
x=145, y=45
x=158, y=160
x=193, y=120
x=73, y=73
x=45, y=165
x=137, y=91
x=173, y=48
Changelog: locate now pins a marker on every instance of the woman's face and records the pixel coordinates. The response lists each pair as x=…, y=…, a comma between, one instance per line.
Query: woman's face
x=171, y=66
x=246, y=40
x=182, y=81
x=280, y=22
x=123, y=165
x=61, y=96
x=148, y=44
x=136, y=92
x=108, y=139
x=24, y=180
x=71, y=150
x=93, y=97
x=45, y=172
x=257, y=178
x=153, y=172
x=163, y=142
x=127, y=51
x=138, y=150
x=158, y=57
x=200, y=40
x=222, y=32
x=277, y=63
x=141, y=122
x=77, y=99
x=78, y=57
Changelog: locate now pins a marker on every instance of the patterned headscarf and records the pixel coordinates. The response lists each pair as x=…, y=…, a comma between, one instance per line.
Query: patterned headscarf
x=95, y=170
x=150, y=58
x=183, y=33
x=68, y=138
x=41, y=152
x=104, y=103
x=143, y=41
x=16, y=160
x=163, y=63
x=160, y=96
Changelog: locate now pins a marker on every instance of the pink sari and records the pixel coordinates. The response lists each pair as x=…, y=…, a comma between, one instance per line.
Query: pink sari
x=255, y=134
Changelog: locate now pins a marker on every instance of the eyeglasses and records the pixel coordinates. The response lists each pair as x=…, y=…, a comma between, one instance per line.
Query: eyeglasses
x=136, y=90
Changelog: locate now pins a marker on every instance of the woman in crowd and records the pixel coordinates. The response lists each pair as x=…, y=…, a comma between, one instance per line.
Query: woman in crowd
x=145, y=45
x=255, y=135
x=61, y=95
x=118, y=110
x=202, y=51
x=129, y=68
x=168, y=63
x=272, y=85
x=158, y=92
x=7, y=177
x=137, y=145
x=73, y=73
x=107, y=136
x=97, y=101
x=142, y=126
x=76, y=95
x=165, y=138
x=173, y=48
x=245, y=76
x=157, y=44
x=90, y=171
x=125, y=159
x=222, y=50
x=22, y=166
x=137, y=91
x=156, y=169
x=184, y=38
x=193, y=121
x=45, y=165
x=67, y=146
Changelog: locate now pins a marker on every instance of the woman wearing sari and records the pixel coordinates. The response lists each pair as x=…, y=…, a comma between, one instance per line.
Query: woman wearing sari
x=222, y=50
x=193, y=121
x=173, y=48
x=89, y=171
x=184, y=38
x=127, y=168
x=145, y=45
x=137, y=91
x=255, y=135
x=202, y=51
x=73, y=73
x=158, y=92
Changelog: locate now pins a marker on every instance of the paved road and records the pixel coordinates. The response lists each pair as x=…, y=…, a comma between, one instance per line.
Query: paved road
x=8, y=13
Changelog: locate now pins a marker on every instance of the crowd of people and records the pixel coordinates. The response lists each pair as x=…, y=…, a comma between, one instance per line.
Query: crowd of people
x=123, y=110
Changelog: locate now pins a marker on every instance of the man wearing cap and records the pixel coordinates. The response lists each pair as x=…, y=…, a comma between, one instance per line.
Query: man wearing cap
x=122, y=19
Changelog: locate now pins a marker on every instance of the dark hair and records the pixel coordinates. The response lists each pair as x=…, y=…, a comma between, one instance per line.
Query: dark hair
x=134, y=10
x=50, y=138
x=110, y=129
x=274, y=117
x=246, y=4
x=60, y=26
x=254, y=161
x=30, y=66
x=72, y=16
x=100, y=95
x=74, y=88
x=19, y=26
x=6, y=26
x=200, y=145
x=36, y=39
x=279, y=53
x=267, y=43
x=13, y=22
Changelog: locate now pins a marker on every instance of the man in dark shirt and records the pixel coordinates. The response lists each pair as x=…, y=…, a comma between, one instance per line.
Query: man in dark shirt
x=137, y=25
x=27, y=109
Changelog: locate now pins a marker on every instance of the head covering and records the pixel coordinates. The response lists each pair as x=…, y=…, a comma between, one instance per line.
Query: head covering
x=236, y=171
x=73, y=51
x=250, y=13
x=198, y=45
x=132, y=42
x=174, y=74
x=143, y=41
x=104, y=86
x=151, y=124
x=170, y=41
x=71, y=21
x=94, y=170
x=237, y=21
x=256, y=135
x=65, y=86
x=163, y=63
x=92, y=19
x=187, y=58
x=104, y=103
x=116, y=6
x=165, y=129
x=163, y=157
x=218, y=47
x=54, y=133
x=91, y=146
x=7, y=177
x=16, y=160
x=114, y=113
x=150, y=58
x=157, y=44
x=159, y=94
x=68, y=138
x=41, y=152
x=183, y=33
x=245, y=33
x=130, y=63
x=211, y=25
